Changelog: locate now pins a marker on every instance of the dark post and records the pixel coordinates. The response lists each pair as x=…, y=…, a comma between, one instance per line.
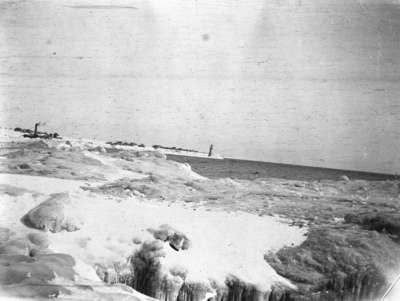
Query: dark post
x=36, y=128
x=210, y=151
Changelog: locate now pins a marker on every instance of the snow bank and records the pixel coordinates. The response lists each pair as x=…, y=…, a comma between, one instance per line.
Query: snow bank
x=222, y=243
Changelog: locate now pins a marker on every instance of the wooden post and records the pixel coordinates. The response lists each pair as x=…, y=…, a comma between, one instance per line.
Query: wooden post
x=210, y=151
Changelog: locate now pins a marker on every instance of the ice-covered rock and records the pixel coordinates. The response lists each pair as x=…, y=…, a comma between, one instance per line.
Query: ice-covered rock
x=386, y=221
x=177, y=240
x=31, y=271
x=55, y=214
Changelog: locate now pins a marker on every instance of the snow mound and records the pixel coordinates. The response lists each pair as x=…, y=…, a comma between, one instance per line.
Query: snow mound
x=55, y=214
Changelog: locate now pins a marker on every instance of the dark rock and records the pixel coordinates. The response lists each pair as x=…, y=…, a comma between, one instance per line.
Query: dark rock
x=24, y=166
x=17, y=129
x=388, y=222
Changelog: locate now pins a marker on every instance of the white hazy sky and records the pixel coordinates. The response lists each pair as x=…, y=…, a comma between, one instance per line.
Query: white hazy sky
x=313, y=82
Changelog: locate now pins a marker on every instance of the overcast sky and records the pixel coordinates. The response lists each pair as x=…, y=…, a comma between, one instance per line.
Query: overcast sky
x=313, y=82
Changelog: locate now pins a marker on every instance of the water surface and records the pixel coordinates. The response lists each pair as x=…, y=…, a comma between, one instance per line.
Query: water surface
x=250, y=170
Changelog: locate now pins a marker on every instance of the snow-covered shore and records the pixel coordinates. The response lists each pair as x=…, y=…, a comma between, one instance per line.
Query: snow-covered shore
x=83, y=220
x=120, y=223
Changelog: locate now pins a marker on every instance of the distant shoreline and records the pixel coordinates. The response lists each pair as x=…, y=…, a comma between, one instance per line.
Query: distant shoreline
x=223, y=167
x=251, y=170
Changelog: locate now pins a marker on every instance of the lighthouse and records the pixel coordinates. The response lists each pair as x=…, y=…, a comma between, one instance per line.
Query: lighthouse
x=210, y=151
